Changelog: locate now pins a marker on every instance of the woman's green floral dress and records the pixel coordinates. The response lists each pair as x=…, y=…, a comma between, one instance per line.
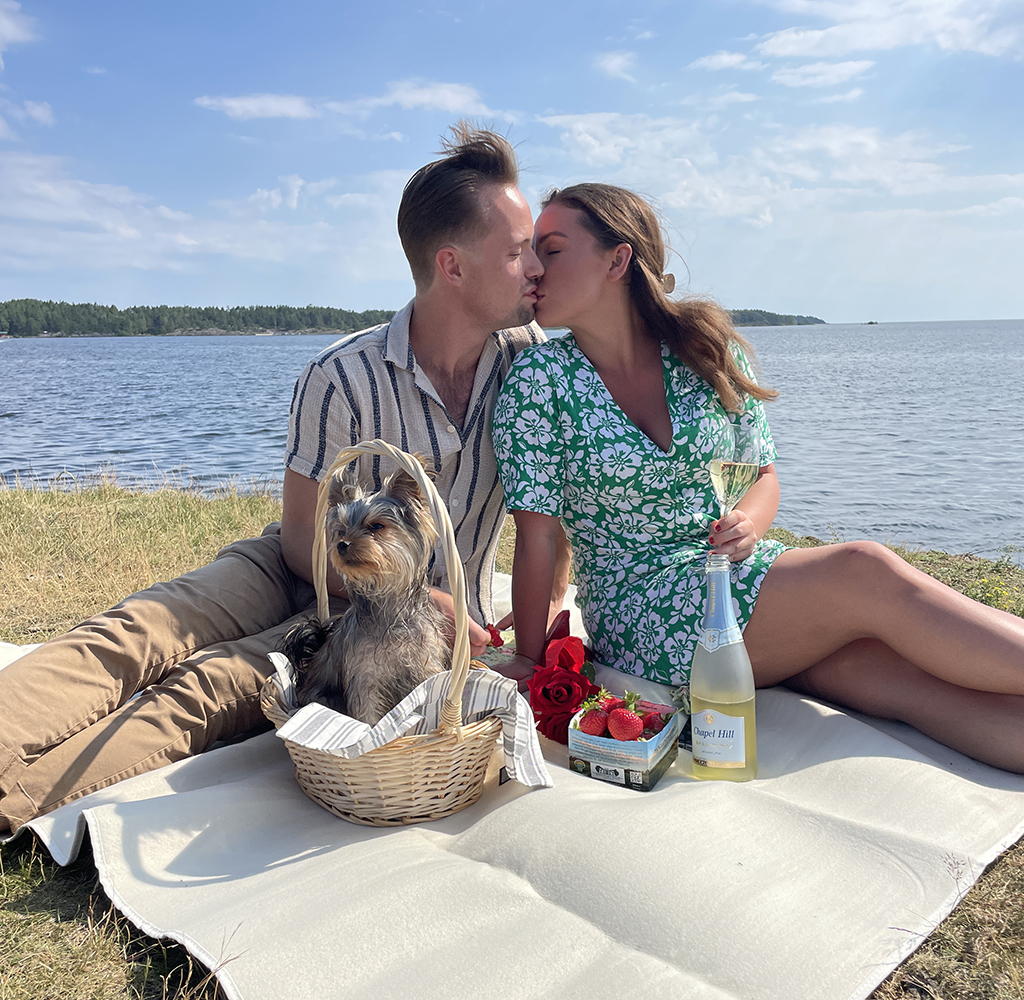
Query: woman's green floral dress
x=638, y=518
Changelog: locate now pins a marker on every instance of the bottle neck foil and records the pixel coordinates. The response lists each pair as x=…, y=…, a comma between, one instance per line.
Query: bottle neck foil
x=720, y=625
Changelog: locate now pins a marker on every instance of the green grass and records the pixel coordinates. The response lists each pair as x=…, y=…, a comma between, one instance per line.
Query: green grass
x=66, y=554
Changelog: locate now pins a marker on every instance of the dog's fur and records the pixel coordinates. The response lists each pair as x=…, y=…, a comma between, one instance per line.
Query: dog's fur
x=392, y=637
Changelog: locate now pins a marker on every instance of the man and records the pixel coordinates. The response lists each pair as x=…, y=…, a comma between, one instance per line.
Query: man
x=194, y=649
x=428, y=380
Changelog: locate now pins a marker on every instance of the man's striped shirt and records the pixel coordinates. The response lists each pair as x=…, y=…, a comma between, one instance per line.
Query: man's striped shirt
x=368, y=385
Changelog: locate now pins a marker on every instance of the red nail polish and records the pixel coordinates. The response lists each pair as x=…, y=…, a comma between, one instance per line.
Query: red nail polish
x=711, y=539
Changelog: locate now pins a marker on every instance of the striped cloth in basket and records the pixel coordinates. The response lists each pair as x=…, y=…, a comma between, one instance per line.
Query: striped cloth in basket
x=486, y=693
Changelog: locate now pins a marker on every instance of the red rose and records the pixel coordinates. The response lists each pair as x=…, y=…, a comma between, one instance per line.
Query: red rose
x=567, y=653
x=556, y=694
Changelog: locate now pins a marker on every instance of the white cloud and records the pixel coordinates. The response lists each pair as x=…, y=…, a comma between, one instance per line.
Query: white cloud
x=720, y=100
x=263, y=199
x=809, y=174
x=34, y=188
x=293, y=184
x=904, y=165
x=410, y=95
x=733, y=97
x=850, y=95
x=260, y=106
x=607, y=139
x=292, y=192
x=49, y=219
x=821, y=74
x=351, y=198
x=670, y=158
x=95, y=70
x=991, y=210
x=616, y=64
x=316, y=188
x=169, y=213
x=879, y=25
x=726, y=60
x=14, y=26
x=39, y=111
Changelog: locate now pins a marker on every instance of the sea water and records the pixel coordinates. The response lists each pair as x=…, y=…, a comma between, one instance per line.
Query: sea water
x=903, y=432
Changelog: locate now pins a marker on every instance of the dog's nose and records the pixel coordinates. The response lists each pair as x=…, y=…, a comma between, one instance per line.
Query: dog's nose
x=343, y=547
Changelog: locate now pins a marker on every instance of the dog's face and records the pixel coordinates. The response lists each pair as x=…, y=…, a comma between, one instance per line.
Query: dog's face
x=379, y=541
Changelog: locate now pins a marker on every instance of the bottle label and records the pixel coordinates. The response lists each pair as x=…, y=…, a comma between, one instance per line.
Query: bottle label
x=718, y=739
x=712, y=638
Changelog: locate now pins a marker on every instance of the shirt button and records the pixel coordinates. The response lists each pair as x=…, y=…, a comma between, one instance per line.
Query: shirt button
x=452, y=429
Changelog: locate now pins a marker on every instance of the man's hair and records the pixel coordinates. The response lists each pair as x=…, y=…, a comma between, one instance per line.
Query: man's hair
x=441, y=202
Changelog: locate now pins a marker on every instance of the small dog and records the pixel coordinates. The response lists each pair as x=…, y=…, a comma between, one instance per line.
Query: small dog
x=392, y=637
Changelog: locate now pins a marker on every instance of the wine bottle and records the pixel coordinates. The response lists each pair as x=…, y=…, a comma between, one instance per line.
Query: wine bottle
x=722, y=688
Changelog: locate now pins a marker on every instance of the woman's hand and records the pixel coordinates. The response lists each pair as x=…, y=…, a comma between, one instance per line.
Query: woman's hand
x=519, y=668
x=479, y=637
x=734, y=535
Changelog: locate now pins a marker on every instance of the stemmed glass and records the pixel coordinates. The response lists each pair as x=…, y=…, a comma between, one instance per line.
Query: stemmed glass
x=736, y=462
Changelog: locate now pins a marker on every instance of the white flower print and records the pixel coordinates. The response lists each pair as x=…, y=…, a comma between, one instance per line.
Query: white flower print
x=637, y=517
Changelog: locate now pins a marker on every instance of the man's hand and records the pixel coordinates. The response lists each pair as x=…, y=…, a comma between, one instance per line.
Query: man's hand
x=479, y=637
x=519, y=668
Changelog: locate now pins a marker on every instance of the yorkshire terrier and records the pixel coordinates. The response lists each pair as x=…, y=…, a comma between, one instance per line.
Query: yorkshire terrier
x=392, y=637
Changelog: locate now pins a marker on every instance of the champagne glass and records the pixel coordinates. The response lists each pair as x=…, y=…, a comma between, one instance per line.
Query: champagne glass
x=736, y=462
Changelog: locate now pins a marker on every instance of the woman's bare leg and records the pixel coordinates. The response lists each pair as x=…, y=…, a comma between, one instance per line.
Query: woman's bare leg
x=857, y=625
x=813, y=602
x=868, y=676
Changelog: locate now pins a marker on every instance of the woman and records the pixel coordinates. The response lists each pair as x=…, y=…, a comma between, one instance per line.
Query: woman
x=610, y=430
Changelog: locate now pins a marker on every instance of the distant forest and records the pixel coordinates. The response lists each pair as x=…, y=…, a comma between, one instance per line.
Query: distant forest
x=32, y=318
x=758, y=317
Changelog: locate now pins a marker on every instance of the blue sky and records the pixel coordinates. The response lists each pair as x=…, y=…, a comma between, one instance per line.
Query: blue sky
x=852, y=159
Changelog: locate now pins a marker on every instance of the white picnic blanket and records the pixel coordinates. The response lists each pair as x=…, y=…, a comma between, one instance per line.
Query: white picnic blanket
x=813, y=881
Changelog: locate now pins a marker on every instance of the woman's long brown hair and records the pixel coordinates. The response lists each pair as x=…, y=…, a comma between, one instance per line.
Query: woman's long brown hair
x=698, y=331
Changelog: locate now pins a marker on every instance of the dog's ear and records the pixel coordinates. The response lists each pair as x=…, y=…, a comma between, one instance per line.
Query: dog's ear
x=428, y=467
x=344, y=486
x=402, y=487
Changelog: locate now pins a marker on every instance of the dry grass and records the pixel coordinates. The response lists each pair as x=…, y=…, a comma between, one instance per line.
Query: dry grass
x=66, y=555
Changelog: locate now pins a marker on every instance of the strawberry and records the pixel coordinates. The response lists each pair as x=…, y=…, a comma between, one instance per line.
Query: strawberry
x=610, y=704
x=596, y=700
x=594, y=722
x=624, y=724
x=654, y=721
x=496, y=639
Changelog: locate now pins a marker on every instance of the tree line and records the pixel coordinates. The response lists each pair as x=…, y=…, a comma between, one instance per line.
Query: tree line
x=760, y=317
x=32, y=317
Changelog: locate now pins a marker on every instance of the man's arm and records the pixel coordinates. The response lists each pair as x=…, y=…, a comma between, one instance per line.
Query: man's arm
x=297, y=521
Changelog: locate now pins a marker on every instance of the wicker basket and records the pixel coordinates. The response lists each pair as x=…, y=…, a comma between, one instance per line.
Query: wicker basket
x=413, y=778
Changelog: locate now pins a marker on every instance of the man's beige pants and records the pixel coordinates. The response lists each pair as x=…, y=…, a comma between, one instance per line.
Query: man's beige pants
x=194, y=650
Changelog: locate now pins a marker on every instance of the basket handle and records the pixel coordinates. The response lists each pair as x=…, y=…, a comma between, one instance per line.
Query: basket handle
x=451, y=710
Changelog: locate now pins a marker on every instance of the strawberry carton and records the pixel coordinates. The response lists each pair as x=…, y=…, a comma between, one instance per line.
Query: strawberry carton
x=625, y=741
